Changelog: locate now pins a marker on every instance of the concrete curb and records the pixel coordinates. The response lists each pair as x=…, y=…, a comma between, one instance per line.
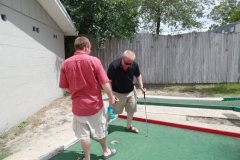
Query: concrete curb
x=58, y=150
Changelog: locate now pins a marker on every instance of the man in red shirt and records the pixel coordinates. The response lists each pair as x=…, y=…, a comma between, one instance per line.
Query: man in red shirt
x=81, y=75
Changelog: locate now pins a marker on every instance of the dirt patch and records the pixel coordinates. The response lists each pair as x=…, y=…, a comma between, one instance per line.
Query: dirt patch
x=175, y=93
x=211, y=120
x=39, y=121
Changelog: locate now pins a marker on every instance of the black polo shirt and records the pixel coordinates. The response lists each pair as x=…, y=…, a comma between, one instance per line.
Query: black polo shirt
x=122, y=81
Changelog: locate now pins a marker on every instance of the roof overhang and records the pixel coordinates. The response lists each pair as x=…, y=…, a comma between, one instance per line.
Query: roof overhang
x=59, y=14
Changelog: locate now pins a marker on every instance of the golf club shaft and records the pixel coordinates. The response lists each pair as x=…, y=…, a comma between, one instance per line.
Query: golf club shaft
x=145, y=112
x=146, y=115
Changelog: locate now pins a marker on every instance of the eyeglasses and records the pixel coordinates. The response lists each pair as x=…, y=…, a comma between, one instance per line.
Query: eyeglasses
x=126, y=63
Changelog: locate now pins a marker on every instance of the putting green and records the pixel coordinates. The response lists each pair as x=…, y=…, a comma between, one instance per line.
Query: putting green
x=163, y=142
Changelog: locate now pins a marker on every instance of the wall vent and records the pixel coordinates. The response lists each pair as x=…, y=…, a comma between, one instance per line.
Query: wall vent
x=4, y=17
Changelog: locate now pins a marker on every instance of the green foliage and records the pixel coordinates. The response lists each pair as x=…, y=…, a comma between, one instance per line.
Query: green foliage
x=213, y=26
x=5, y=155
x=3, y=133
x=67, y=94
x=173, y=13
x=215, y=90
x=104, y=18
x=22, y=125
x=222, y=13
x=211, y=90
x=235, y=17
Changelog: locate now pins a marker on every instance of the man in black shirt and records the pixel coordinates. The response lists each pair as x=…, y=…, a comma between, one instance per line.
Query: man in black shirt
x=120, y=73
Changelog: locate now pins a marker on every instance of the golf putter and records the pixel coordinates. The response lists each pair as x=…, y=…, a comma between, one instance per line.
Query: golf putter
x=145, y=112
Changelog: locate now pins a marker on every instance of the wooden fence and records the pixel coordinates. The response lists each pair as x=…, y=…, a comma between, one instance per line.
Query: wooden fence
x=180, y=59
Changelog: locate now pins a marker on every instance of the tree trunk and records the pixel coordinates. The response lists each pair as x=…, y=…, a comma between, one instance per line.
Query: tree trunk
x=158, y=25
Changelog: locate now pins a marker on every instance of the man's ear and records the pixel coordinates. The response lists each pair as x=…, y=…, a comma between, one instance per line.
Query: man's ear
x=85, y=48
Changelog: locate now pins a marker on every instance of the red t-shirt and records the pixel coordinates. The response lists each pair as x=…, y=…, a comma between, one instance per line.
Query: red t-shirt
x=83, y=74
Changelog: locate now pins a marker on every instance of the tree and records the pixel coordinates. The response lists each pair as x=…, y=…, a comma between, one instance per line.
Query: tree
x=222, y=13
x=235, y=17
x=213, y=26
x=173, y=13
x=103, y=18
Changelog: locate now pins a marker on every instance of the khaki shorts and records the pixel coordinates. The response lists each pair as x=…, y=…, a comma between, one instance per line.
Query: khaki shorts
x=95, y=125
x=127, y=101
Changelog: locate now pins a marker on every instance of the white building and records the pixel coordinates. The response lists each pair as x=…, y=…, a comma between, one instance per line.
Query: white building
x=31, y=52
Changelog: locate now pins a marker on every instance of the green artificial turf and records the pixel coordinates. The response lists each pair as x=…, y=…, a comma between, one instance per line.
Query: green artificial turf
x=162, y=143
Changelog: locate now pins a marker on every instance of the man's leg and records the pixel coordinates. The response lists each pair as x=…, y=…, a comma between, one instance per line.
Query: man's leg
x=131, y=107
x=108, y=116
x=86, y=148
x=106, y=151
x=129, y=120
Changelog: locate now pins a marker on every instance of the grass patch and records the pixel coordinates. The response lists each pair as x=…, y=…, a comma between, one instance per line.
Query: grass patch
x=17, y=133
x=5, y=155
x=103, y=92
x=150, y=88
x=22, y=125
x=39, y=123
x=67, y=94
x=211, y=90
x=3, y=134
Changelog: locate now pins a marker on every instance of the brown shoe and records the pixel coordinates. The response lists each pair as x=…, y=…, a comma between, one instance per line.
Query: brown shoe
x=132, y=129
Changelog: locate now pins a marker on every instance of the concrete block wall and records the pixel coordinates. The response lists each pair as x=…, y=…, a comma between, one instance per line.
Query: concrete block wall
x=29, y=61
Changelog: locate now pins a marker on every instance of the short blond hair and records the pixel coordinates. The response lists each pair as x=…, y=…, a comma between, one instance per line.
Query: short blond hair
x=81, y=42
x=129, y=54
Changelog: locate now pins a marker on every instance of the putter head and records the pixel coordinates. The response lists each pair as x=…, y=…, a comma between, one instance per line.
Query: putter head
x=146, y=134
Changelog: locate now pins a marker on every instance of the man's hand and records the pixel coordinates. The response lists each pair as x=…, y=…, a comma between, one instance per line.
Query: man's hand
x=112, y=100
x=143, y=90
x=115, y=100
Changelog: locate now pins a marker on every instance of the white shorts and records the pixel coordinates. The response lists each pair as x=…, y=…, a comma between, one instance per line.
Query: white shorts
x=95, y=125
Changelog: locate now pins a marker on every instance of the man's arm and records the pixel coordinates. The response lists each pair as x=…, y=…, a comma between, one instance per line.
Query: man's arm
x=108, y=89
x=139, y=79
